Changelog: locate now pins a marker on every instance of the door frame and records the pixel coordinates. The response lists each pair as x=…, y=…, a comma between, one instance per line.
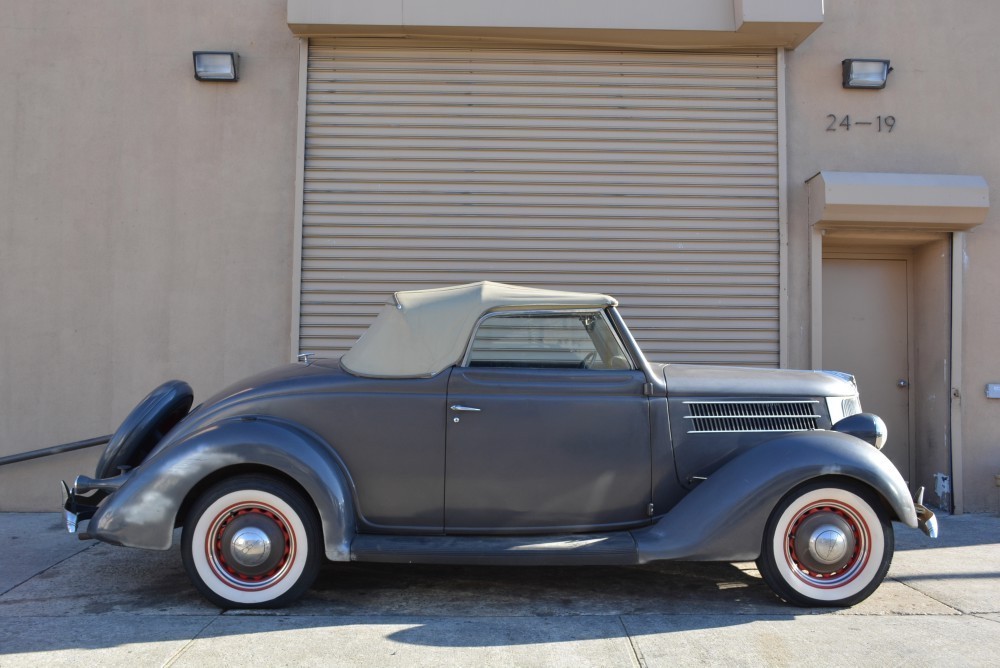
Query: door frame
x=906, y=257
x=957, y=277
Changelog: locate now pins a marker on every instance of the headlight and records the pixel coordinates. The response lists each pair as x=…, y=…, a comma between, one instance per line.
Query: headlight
x=866, y=426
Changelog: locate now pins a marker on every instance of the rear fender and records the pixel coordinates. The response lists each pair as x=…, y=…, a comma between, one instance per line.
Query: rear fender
x=144, y=510
x=723, y=518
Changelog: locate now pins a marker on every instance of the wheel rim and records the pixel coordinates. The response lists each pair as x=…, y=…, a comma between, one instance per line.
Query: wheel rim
x=827, y=544
x=250, y=546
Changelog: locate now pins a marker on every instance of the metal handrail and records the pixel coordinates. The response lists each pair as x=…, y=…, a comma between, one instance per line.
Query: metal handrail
x=54, y=450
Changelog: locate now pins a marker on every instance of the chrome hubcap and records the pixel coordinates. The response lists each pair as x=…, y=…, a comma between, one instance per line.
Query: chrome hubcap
x=250, y=547
x=828, y=544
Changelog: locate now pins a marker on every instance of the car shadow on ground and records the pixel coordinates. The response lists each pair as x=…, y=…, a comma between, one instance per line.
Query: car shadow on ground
x=664, y=588
x=118, y=596
x=107, y=597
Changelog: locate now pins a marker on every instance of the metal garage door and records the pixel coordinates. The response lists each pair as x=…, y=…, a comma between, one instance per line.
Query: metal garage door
x=651, y=176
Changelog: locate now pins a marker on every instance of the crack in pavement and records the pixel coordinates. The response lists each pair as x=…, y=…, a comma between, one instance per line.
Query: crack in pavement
x=959, y=611
x=640, y=660
x=48, y=568
x=177, y=655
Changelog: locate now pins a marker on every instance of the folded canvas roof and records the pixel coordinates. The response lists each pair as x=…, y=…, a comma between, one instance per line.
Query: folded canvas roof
x=420, y=333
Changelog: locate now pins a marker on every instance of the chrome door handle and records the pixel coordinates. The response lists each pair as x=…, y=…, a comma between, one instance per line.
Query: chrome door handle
x=459, y=408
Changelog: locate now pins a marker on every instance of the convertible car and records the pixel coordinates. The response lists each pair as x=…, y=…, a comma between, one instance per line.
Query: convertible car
x=494, y=424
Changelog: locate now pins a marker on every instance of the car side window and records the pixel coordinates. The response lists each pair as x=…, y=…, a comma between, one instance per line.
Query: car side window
x=547, y=341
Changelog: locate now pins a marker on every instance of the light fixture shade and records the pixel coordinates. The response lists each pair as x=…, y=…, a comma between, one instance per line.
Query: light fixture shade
x=865, y=73
x=216, y=66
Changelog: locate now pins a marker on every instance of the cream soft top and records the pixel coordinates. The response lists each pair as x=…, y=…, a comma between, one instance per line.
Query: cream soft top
x=420, y=333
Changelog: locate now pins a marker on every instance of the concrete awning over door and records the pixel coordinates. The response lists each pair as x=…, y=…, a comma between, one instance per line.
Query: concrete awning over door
x=881, y=200
x=642, y=23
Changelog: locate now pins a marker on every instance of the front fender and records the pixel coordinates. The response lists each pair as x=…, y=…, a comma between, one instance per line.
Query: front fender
x=143, y=511
x=723, y=518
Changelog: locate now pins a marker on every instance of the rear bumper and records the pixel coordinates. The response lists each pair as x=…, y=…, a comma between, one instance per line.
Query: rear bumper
x=81, y=502
x=77, y=509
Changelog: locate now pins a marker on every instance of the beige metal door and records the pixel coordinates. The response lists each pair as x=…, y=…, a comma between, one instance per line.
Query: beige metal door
x=865, y=332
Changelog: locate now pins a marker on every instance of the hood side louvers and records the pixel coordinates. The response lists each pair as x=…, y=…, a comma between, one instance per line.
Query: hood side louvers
x=713, y=417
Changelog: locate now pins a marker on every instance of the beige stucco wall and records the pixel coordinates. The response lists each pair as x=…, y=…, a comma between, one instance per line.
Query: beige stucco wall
x=944, y=93
x=146, y=219
x=146, y=227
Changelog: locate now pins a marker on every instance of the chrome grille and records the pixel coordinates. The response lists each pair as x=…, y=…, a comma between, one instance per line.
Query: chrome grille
x=750, y=416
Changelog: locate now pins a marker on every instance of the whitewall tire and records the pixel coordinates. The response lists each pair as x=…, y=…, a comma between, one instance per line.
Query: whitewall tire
x=827, y=544
x=251, y=542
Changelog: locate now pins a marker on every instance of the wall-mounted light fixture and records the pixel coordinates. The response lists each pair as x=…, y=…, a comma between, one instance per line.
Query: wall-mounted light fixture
x=865, y=73
x=216, y=66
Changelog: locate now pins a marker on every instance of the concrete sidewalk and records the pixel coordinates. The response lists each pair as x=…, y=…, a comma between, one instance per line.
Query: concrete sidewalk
x=67, y=602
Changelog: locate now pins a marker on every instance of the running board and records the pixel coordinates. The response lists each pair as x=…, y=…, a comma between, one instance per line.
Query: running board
x=607, y=549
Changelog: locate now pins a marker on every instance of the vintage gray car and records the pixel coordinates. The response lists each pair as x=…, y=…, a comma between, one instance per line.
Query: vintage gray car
x=494, y=424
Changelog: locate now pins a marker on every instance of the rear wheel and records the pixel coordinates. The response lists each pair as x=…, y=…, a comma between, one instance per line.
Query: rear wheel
x=827, y=545
x=251, y=542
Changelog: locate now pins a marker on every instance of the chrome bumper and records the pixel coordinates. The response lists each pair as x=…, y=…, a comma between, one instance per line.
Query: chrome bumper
x=81, y=502
x=926, y=521
x=76, y=510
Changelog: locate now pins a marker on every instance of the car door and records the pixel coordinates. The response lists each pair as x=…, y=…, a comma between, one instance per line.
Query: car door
x=548, y=428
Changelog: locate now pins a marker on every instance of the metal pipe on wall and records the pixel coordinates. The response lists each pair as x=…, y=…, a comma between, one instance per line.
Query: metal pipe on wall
x=54, y=450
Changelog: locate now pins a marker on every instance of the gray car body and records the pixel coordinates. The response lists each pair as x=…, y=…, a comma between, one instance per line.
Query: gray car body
x=395, y=476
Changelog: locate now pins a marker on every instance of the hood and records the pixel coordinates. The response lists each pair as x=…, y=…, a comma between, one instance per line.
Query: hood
x=694, y=380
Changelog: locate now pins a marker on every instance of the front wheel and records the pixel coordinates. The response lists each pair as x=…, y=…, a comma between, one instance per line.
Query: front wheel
x=827, y=544
x=251, y=542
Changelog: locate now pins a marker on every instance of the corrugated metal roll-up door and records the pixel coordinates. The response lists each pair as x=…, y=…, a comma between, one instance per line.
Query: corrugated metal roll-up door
x=650, y=176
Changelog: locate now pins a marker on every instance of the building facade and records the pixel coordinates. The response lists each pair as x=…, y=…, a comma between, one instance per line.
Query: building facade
x=700, y=161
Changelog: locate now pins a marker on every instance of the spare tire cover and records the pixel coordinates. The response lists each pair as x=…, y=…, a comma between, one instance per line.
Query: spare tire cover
x=145, y=426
